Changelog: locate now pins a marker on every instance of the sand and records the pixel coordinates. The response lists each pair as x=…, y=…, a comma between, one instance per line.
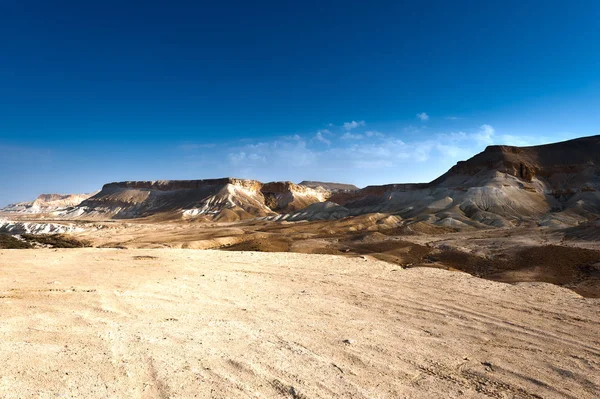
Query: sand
x=174, y=323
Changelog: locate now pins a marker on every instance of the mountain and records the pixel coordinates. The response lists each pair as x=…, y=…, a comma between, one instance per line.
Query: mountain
x=46, y=203
x=555, y=184
x=226, y=199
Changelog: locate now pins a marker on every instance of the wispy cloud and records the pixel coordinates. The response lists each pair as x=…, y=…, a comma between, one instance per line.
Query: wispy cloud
x=410, y=129
x=486, y=134
x=370, y=157
x=351, y=136
x=372, y=133
x=423, y=116
x=452, y=118
x=320, y=137
x=353, y=125
x=294, y=154
x=195, y=146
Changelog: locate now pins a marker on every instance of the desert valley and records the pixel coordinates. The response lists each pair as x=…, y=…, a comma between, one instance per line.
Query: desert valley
x=482, y=283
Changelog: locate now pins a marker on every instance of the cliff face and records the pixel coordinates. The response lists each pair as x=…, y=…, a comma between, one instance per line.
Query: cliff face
x=172, y=185
x=573, y=157
x=284, y=197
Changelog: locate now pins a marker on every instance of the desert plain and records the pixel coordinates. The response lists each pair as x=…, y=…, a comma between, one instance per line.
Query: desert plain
x=484, y=283
x=181, y=323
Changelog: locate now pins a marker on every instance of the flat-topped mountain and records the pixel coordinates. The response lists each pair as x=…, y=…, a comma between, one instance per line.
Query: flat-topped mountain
x=226, y=199
x=557, y=163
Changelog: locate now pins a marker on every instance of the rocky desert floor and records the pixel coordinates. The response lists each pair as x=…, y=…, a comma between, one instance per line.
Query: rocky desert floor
x=183, y=323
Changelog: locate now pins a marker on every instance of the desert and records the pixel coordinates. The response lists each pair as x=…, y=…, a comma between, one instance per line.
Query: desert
x=482, y=283
x=300, y=199
x=159, y=323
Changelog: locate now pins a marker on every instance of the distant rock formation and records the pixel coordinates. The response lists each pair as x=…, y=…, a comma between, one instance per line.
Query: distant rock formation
x=332, y=187
x=226, y=199
x=19, y=227
x=47, y=203
x=556, y=185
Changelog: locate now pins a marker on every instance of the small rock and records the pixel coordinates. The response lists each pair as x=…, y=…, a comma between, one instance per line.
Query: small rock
x=349, y=341
x=488, y=366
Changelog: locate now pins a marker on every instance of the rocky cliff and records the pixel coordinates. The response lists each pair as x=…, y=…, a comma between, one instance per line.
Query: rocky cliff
x=283, y=197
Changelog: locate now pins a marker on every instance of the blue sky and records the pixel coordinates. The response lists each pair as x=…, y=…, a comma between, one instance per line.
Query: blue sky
x=351, y=91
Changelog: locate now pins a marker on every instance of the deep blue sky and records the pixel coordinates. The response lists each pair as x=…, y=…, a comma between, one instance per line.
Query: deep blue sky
x=92, y=92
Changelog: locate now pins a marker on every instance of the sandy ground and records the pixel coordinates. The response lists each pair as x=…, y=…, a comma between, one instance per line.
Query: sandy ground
x=169, y=323
x=519, y=254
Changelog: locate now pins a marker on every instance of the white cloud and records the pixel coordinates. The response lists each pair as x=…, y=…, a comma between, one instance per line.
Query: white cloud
x=353, y=125
x=423, y=116
x=319, y=137
x=410, y=129
x=351, y=136
x=295, y=137
x=294, y=153
x=519, y=141
x=485, y=134
x=473, y=142
x=452, y=118
x=376, y=159
x=372, y=133
x=283, y=154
